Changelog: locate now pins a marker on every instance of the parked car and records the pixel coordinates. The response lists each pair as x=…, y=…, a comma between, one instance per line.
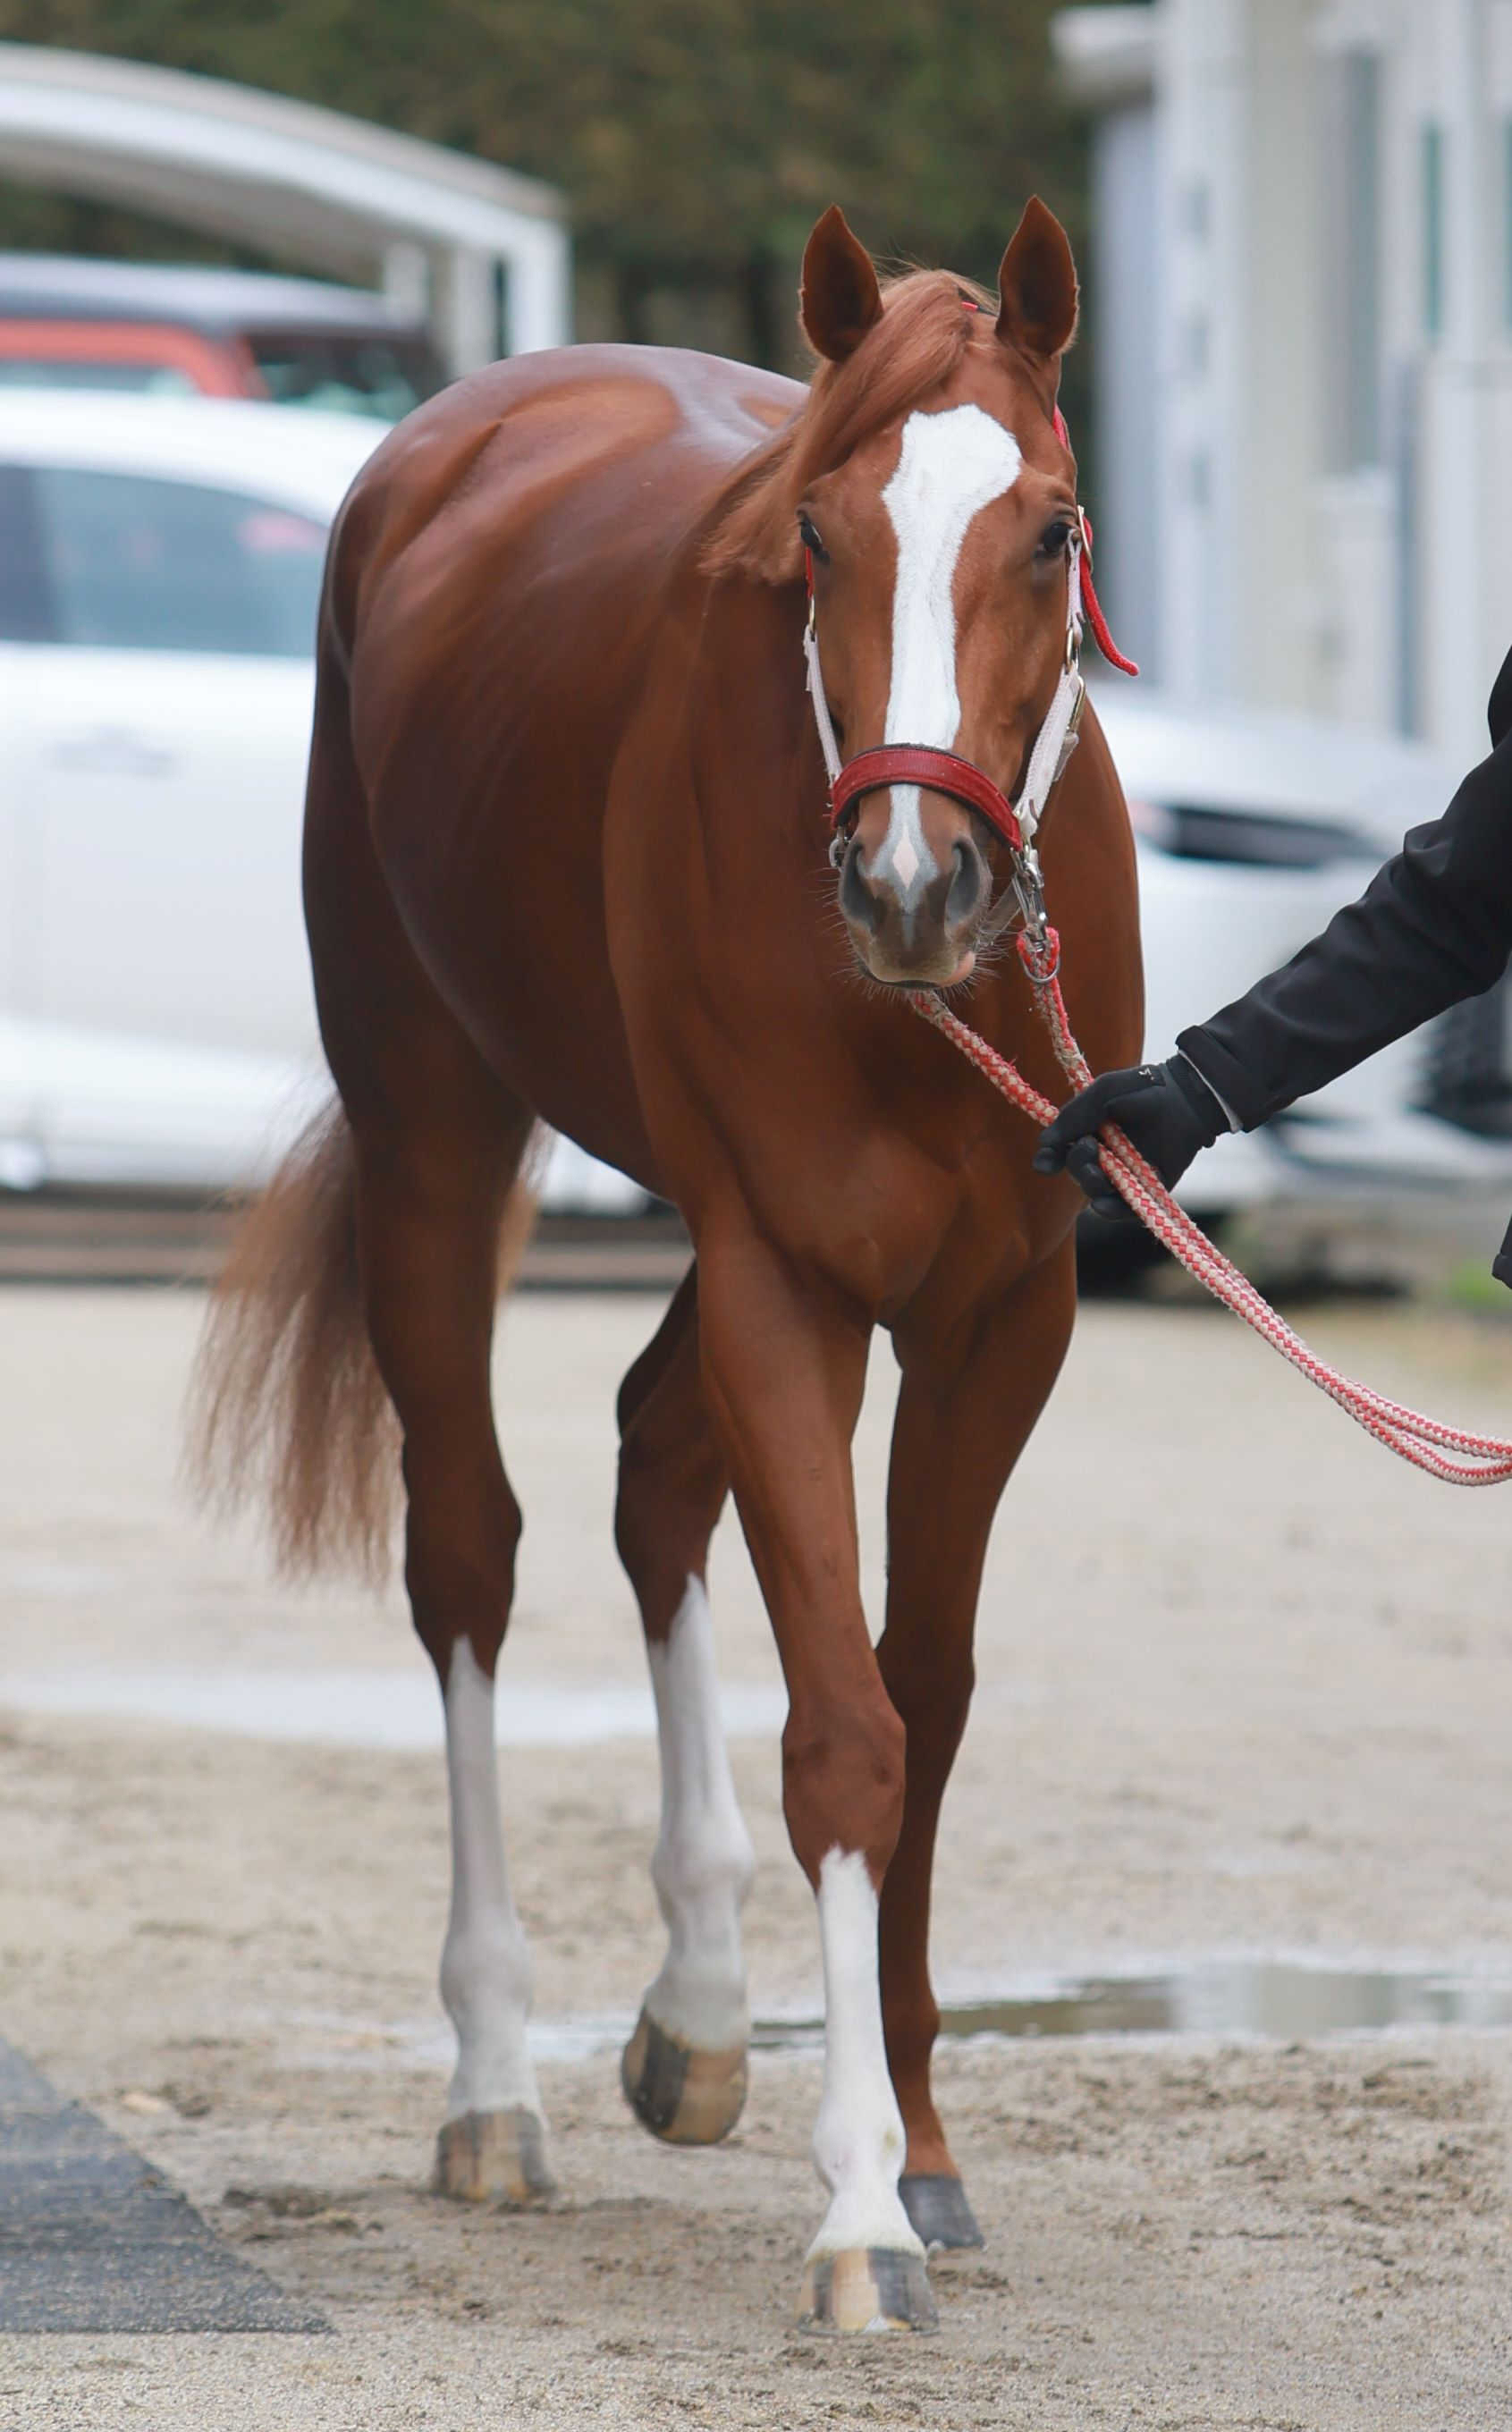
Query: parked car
x=159, y=572
x=161, y=330
x=159, y=568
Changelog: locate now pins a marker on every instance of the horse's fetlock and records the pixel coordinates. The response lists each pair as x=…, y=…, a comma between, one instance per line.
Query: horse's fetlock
x=712, y=1855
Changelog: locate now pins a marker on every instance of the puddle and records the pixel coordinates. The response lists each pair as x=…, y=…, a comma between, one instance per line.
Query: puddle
x=1275, y=2000
x=1240, y=1997
x=395, y=1710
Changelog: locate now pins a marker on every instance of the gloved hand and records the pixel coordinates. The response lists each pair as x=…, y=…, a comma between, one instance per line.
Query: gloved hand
x=1167, y=1110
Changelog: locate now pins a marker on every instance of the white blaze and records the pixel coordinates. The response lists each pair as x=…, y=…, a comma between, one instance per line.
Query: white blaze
x=485, y=1968
x=703, y=1859
x=950, y=467
x=858, y=2137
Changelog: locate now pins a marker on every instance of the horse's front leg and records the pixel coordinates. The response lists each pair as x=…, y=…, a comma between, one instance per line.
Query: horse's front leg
x=962, y=1423
x=785, y=1366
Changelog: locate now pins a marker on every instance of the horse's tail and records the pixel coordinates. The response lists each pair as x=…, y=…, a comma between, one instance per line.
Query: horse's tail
x=286, y=1405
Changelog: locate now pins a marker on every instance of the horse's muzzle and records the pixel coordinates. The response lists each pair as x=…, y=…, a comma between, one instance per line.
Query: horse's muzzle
x=928, y=940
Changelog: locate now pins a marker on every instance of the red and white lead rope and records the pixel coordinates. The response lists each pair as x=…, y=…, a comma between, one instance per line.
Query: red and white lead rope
x=1483, y=1460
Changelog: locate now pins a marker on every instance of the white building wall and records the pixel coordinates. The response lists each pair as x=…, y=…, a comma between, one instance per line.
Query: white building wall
x=1452, y=426
x=1201, y=132
x=1311, y=552
x=1124, y=338
x=1278, y=433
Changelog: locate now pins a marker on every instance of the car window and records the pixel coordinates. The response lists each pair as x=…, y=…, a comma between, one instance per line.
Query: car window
x=26, y=607
x=82, y=371
x=137, y=564
x=368, y=373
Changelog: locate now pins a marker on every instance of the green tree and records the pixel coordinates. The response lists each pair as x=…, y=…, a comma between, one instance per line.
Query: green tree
x=696, y=140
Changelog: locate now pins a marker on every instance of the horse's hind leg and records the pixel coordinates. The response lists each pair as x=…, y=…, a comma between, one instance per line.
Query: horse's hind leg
x=438, y=1140
x=430, y=1198
x=684, y=2068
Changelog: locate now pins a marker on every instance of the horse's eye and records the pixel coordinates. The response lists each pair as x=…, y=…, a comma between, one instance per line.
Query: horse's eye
x=809, y=537
x=1053, y=539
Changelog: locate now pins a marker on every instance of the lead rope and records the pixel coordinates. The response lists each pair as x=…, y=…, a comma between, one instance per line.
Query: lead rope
x=1484, y=1460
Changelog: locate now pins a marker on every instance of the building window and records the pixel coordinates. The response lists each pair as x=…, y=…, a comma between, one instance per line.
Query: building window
x=1433, y=229
x=1360, y=255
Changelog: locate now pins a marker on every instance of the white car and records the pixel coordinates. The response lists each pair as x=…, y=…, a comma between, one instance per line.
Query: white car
x=1252, y=829
x=160, y=569
x=159, y=566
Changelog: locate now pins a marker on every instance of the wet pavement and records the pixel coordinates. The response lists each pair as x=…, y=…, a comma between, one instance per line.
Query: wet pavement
x=1218, y=1997
x=1240, y=1999
x=1235, y=1781
x=389, y=1709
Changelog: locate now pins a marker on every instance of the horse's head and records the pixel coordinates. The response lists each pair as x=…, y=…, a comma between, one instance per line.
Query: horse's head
x=939, y=546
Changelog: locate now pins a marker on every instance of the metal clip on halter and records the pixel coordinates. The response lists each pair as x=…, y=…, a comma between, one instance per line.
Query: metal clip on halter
x=1039, y=945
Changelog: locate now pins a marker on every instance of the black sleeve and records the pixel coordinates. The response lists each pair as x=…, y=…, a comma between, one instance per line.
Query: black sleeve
x=1434, y=925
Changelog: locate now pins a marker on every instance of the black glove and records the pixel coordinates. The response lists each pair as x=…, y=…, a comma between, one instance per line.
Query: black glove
x=1167, y=1110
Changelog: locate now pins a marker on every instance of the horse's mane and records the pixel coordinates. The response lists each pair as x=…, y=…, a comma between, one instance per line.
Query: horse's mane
x=924, y=332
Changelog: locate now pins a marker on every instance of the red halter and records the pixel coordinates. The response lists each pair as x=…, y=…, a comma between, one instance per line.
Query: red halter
x=921, y=763
x=946, y=772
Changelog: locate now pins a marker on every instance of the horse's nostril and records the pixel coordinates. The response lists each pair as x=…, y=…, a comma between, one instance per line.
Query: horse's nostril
x=857, y=901
x=968, y=884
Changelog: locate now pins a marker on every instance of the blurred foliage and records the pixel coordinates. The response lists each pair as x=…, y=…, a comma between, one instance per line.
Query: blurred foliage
x=696, y=140
x=1470, y=1285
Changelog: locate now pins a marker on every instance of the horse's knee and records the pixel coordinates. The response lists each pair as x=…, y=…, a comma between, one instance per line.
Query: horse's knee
x=842, y=1780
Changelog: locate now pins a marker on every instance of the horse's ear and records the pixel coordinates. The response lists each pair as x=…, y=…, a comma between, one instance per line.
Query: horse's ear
x=1037, y=285
x=840, y=299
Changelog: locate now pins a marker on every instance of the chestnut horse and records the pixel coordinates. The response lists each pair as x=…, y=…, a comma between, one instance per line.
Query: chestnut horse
x=567, y=861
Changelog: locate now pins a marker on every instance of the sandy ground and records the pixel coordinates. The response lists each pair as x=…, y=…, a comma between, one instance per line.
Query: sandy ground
x=1245, y=1686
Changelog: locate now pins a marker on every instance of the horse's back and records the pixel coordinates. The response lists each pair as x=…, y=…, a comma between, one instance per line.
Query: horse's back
x=570, y=472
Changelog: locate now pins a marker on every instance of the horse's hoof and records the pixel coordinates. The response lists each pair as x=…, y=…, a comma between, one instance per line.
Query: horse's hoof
x=868, y=2289
x=682, y=2095
x=494, y=2157
x=936, y=2204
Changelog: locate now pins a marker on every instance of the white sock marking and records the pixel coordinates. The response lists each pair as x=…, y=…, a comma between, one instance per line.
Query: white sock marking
x=858, y=2139
x=950, y=467
x=703, y=1859
x=486, y=1967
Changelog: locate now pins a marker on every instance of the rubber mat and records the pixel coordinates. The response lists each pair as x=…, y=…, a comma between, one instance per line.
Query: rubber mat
x=94, y=2238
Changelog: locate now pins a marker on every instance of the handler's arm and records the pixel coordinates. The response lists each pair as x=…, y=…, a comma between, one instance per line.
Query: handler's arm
x=1434, y=926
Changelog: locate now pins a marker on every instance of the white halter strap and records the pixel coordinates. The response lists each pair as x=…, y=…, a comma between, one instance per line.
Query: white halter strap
x=816, y=693
x=1056, y=740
